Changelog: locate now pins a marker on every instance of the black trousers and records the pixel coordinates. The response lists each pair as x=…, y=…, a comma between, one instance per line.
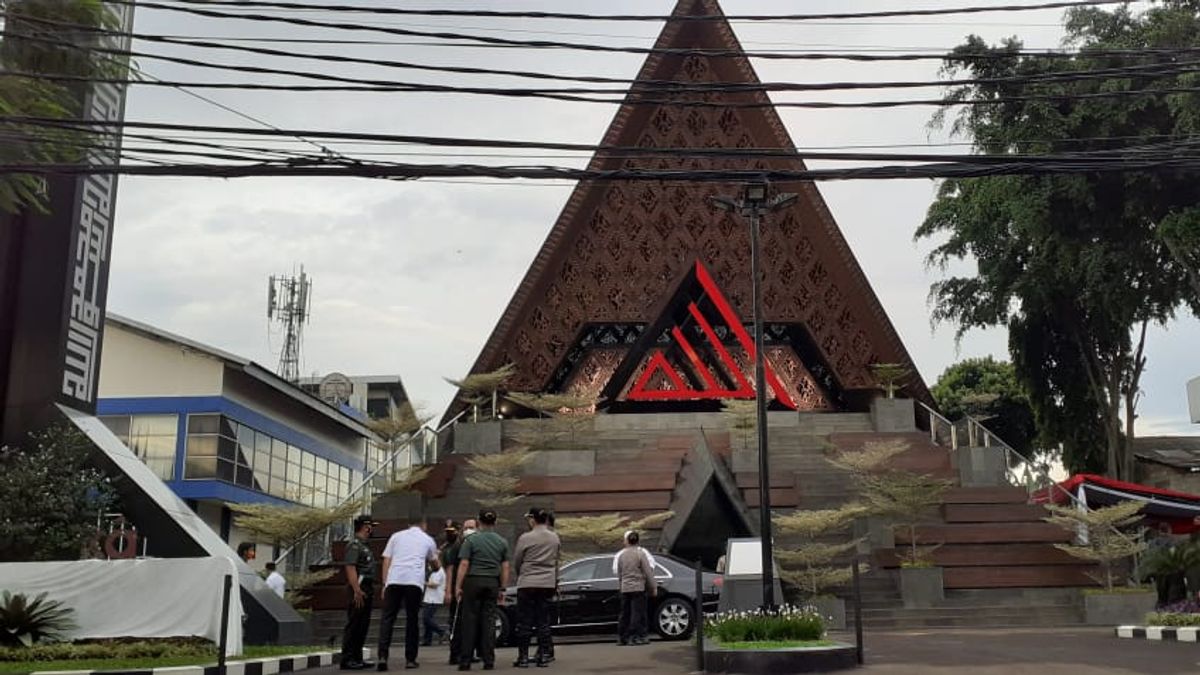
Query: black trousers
x=478, y=621
x=533, y=617
x=358, y=621
x=410, y=598
x=632, y=623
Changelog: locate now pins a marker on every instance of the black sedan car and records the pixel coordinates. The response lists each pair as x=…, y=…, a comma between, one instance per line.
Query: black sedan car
x=589, y=599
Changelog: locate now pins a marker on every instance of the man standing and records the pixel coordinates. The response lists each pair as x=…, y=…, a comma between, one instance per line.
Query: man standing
x=435, y=596
x=536, y=561
x=643, y=637
x=482, y=577
x=404, y=561
x=360, y=582
x=637, y=577
x=275, y=580
x=450, y=562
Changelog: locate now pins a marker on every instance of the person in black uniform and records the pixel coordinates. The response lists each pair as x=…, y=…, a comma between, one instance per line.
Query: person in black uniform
x=361, y=575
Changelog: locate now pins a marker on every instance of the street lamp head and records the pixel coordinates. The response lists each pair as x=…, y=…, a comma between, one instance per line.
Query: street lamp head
x=755, y=192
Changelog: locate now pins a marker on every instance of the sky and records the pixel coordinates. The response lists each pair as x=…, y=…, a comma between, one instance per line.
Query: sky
x=410, y=277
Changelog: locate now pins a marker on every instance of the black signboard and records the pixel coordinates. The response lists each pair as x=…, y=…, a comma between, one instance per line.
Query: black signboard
x=54, y=271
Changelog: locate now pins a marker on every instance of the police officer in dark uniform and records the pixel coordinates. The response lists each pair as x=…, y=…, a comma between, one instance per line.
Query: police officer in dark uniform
x=361, y=575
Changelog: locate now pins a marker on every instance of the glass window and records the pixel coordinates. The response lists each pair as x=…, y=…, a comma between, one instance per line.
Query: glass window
x=227, y=449
x=245, y=477
x=309, y=460
x=278, y=449
x=245, y=438
x=204, y=424
x=294, y=454
x=200, y=467
x=584, y=570
x=119, y=425
x=202, y=446
x=293, y=475
x=229, y=427
x=225, y=470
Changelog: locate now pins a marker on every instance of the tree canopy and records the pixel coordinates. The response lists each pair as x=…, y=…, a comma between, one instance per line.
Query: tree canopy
x=38, y=97
x=988, y=390
x=1076, y=267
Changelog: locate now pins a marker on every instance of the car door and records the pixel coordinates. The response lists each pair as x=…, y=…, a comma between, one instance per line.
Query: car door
x=600, y=600
x=574, y=580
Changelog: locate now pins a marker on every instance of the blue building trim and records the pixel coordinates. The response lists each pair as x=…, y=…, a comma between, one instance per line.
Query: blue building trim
x=194, y=405
x=215, y=490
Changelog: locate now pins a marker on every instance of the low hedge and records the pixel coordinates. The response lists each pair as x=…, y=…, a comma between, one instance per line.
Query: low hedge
x=1174, y=619
x=786, y=624
x=81, y=651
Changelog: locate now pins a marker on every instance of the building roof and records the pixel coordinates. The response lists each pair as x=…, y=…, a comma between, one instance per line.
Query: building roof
x=248, y=367
x=1178, y=452
x=619, y=249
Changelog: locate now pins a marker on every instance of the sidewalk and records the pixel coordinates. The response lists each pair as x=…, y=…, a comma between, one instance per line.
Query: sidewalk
x=1067, y=651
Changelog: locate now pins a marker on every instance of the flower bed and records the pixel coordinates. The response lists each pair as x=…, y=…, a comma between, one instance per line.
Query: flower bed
x=785, y=624
x=1180, y=614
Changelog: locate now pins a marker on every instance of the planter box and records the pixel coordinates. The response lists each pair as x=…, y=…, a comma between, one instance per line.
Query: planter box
x=832, y=609
x=777, y=661
x=478, y=438
x=1117, y=609
x=921, y=586
x=892, y=415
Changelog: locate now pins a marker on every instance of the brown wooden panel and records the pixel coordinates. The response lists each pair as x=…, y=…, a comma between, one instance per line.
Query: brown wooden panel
x=1017, y=577
x=992, y=513
x=986, y=533
x=612, y=501
x=643, y=464
x=634, y=482
x=683, y=443
x=779, y=497
x=986, y=495
x=985, y=555
x=749, y=480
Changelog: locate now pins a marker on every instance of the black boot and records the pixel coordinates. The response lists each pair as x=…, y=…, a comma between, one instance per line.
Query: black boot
x=522, y=657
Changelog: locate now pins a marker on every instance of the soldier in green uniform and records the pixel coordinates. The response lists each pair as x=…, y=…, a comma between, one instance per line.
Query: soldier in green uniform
x=361, y=574
x=482, y=577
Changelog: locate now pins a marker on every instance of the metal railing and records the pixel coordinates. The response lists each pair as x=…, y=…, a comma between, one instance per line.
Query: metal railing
x=421, y=448
x=1019, y=471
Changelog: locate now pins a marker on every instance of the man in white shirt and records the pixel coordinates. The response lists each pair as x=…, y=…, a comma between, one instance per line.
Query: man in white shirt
x=435, y=595
x=404, y=559
x=641, y=637
x=275, y=580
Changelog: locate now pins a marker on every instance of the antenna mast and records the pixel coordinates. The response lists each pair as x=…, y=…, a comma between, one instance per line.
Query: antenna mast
x=289, y=303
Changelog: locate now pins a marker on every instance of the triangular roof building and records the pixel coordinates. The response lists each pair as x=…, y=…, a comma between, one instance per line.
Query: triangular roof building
x=623, y=257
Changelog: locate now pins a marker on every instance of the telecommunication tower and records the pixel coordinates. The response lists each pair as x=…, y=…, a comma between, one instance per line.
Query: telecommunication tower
x=289, y=301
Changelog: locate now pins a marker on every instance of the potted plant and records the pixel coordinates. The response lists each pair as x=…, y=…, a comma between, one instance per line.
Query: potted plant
x=1101, y=540
x=891, y=414
x=810, y=565
x=482, y=392
x=1167, y=565
x=905, y=499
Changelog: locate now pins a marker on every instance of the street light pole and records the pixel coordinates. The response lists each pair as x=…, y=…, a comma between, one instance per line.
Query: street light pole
x=754, y=203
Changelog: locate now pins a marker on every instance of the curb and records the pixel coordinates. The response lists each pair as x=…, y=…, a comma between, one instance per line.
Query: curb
x=268, y=666
x=1162, y=633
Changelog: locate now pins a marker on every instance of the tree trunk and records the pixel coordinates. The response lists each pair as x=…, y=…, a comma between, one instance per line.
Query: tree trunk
x=1137, y=366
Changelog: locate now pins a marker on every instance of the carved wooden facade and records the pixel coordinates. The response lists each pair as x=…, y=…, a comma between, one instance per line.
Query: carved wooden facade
x=619, y=250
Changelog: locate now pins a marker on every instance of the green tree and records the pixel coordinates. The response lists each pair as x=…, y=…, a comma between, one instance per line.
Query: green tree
x=50, y=497
x=988, y=390
x=51, y=51
x=811, y=564
x=1075, y=266
x=1107, y=539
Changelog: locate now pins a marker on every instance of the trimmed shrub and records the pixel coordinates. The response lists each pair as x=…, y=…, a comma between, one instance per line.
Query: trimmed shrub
x=785, y=624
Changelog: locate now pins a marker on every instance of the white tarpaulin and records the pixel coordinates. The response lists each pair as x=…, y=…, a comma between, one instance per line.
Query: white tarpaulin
x=154, y=598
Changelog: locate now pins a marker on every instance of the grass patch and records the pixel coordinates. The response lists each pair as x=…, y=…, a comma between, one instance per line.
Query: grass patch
x=787, y=644
x=1173, y=619
x=192, y=657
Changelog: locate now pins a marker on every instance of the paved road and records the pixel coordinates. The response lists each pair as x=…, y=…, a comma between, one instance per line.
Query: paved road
x=977, y=652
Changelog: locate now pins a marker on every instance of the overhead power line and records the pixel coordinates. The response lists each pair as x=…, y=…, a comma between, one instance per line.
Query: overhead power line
x=325, y=168
x=499, y=41
x=107, y=127
x=674, y=86
x=492, y=14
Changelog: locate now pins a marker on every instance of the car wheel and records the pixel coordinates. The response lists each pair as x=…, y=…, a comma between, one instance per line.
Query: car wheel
x=503, y=628
x=674, y=619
